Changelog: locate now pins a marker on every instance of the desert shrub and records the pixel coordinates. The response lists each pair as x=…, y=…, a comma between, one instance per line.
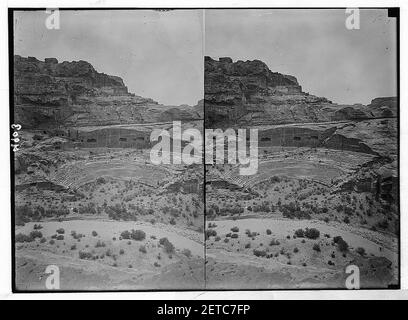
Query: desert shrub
x=346, y=220
x=294, y=211
x=228, y=235
x=341, y=244
x=37, y=227
x=156, y=264
x=316, y=247
x=300, y=233
x=85, y=255
x=143, y=249
x=235, y=229
x=187, y=253
x=312, y=233
x=43, y=240
x=248, y=245
x=274, y=242
x=217, y=238
x=35, y=234
x=259, y=252
x=121, y=251
x=94, y=233
x=268, y=232
x=23, y=238
x=101, y=180
x=234, y=236
x=295, y=250
x=138, y=235
x=125, y=234
x=100, y=244
x=60, y=231
x=52, y=241
x=60, y=237
x=226, y=240
x=168, y=246
x=73, y=247
x=210, y=233
x=360, y=251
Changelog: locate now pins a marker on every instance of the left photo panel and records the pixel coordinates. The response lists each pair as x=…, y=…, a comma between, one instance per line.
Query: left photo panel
x=107, y=168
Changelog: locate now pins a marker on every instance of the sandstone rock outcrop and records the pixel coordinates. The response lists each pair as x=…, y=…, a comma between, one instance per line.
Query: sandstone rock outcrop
x=249, y=93
x=51, y=94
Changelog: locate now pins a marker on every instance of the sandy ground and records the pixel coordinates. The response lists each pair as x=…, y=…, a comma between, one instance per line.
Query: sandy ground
x=125, y=268
x=229, y=264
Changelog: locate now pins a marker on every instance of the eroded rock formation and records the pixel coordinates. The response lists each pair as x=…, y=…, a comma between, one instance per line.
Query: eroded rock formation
x=52, y=94
x=249, y=93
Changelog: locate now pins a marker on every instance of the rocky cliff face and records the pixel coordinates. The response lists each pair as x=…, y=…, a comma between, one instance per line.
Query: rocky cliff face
x=49, y=94
x=249, y=93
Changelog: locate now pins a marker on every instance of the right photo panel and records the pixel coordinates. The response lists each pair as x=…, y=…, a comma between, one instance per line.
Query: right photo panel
x=301, y=149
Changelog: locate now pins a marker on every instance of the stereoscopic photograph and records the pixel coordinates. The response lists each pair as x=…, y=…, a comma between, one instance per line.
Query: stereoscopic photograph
x=204, y=149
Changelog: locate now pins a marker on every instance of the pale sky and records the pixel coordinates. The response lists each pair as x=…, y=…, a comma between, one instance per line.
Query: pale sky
x=346, y=66
x=159, y=55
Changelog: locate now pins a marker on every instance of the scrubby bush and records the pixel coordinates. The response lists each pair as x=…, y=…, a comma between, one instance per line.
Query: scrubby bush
x=361, y=251
x=341, y=244
x=299, y=233
x=85, y=255
x=100, y=244
x=94, y=233
x=210, y=233
x=235, y=229
x=217, y=238
x=138, y=235
x=316, y=247
x=23, y=238
x=274, y=242
x=312, y=233
x=125, y=234
x=259, y=252
x=60, y=231
x=268, y=232
x=35, y=234
x=143, y=249
x=168, y=246
x=187, y=253
x=234, y=236
x=60, y=237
